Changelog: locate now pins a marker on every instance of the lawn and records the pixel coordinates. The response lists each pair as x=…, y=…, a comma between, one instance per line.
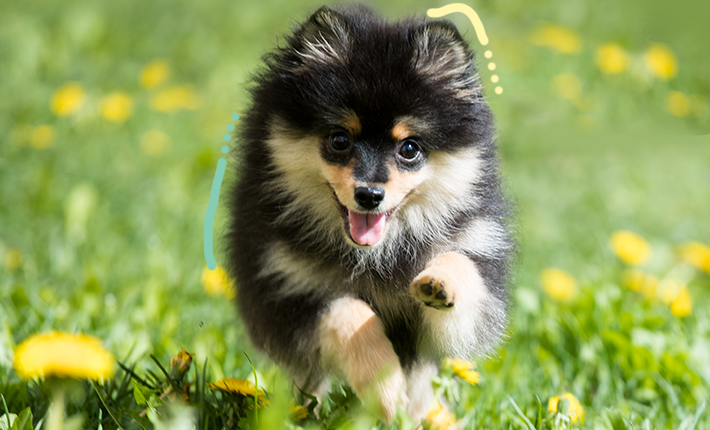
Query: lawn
x=113, y=119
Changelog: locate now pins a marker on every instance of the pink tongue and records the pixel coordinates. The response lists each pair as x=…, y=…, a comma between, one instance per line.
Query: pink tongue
x=366, y=229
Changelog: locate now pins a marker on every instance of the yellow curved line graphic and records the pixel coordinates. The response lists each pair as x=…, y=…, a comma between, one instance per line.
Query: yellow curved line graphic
x=466, y=10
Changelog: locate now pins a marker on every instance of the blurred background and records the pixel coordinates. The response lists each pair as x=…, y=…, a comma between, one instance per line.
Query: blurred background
x=113, y=116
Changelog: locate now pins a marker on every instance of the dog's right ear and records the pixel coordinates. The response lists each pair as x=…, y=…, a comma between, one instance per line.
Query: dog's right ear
x=324, y=38
x=442, y=54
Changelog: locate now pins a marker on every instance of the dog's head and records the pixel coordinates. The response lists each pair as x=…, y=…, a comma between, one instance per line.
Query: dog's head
x=369, y=122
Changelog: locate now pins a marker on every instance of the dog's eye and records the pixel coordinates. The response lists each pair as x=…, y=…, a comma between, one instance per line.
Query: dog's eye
x=340, y=141
x=409, y=150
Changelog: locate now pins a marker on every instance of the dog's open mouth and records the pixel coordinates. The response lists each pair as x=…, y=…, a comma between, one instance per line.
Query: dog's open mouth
x=365, y=228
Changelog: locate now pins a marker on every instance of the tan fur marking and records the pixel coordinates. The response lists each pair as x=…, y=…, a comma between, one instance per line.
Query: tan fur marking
x=353, y=343
x=401, y=184
x=352, y=123
x=401, y=131
x=342, y=181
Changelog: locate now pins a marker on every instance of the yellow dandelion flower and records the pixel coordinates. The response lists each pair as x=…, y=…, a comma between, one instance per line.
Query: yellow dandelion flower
x=641, y=282
x=42, y=136
x=297, y=412
x=612, y=59
x=696, y=254
x=154, y=73
x=556, y=37
x=13, y=259
x=464, y=370
x=155, y=143
x=217, y=283
x=682, y=304
x=567, y=86
x=117, y=107
x=630, y=247
x=575, y=411
x=678, y=104
x=64, y=355
x=180, y=364
x=661, y=61
x=559, y=284
x=668, y=289
x=439, y=418
x=67, y=99
x=175, y=98
x=238, y=387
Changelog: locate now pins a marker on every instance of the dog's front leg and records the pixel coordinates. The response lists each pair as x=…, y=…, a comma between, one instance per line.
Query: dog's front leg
x=461, y=317
x=354, y=345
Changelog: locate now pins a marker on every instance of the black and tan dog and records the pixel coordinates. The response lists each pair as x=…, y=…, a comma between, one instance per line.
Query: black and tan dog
x=368, y=235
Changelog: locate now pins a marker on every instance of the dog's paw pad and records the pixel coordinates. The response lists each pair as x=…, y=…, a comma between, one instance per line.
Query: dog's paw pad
x=433, y=292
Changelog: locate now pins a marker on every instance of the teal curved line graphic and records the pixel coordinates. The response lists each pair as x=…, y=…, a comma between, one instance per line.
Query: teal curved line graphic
x=211, y=211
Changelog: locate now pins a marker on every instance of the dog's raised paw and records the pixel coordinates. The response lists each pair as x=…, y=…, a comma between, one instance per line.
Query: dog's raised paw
x=433, y=291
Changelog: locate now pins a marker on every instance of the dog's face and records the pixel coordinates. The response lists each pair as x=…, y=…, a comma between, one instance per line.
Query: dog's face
x=372, y=123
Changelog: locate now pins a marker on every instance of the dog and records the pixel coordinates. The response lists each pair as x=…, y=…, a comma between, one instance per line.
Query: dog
x=368, y=233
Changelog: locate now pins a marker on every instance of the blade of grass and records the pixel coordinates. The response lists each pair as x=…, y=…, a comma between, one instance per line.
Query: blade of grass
x=134, y=376
x=7, y=412
x=696, y=418
x=165, y=372
x=521, y=414
x=103, y=401
x=256, y=391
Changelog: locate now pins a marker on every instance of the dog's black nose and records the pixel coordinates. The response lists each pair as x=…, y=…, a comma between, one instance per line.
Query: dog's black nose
x=369, y=197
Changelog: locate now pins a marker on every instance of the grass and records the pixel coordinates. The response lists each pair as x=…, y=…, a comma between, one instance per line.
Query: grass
x=101, y=225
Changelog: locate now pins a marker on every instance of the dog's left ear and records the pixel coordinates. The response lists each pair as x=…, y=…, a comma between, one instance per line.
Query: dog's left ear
x=324, y=37
x=441, y=52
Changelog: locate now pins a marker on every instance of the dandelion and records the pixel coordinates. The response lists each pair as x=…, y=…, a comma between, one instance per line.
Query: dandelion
x=117, y=107
x=155, y=143
x=180, y=364
x=439, y=418
x=661, y=61
x=175, y=98
x=682, y=304
x=612, y=59
x=556, y=37
x=464, y=370
x=217, y=283
x=297, y=412
x=154, y=73
x=237, y=387
x=63, y=355
x=678, y=104
x=575, y=411
x=631, y=248
x=668, y=290
x=641, y=282
x=67, y=99
x=42, y=136
x=697, y=254
x=559, y=285
x=13, y=259
x=567, y=86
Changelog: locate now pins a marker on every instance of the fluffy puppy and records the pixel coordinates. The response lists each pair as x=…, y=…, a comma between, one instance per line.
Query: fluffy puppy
x=367, y=234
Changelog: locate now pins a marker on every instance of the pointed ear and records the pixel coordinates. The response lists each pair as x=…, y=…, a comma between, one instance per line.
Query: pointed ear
x=441, y=52
x=324, y=37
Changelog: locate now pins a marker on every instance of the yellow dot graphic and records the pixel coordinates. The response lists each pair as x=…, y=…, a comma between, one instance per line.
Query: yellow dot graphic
x=499, y=90
x=488, y=54
x=492, y=66
x=494, y=78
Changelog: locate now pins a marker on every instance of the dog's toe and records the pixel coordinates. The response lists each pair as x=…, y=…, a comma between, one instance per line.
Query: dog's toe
x=433, y=292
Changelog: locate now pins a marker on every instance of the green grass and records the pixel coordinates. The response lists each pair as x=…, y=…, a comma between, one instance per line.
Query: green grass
x=110, y=238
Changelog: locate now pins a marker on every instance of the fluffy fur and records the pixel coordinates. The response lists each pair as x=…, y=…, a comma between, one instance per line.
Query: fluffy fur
x=323, y=287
